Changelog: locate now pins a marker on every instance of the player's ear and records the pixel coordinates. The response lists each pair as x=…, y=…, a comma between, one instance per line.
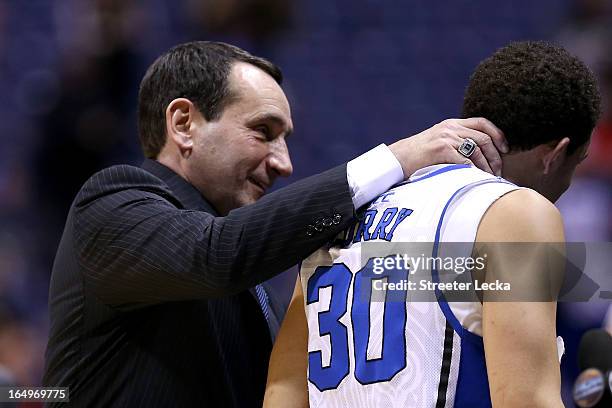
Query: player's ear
x=180, y=116
x=553, y=159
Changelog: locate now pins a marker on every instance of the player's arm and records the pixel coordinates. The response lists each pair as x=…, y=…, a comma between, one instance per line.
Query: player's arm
x=520, y=336
x=287, y=386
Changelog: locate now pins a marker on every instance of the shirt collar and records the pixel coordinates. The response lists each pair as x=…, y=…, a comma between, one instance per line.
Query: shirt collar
x=187, y=194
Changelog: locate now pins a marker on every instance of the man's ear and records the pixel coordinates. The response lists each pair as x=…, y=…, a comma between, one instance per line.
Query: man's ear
x=554, y=157
x=180, y=115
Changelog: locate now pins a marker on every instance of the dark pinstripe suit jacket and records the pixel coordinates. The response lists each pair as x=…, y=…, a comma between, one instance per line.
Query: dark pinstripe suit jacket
x=148, y=299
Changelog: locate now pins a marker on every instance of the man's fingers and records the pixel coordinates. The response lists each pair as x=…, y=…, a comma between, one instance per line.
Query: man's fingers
x=476, y=158
x=486, y=126
x=487, y=151
x=457, y=158
x=479, y=160
x=439, y=144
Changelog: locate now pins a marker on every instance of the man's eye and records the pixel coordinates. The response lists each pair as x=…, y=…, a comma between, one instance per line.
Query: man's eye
x=264, y=130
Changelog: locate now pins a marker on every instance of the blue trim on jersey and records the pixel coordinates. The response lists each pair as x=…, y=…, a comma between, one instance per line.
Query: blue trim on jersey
x=437, y=172
x=472, y=388
x=434, y=272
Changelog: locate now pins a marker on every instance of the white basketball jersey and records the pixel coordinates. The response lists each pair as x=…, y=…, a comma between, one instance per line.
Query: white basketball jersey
x=405, y=353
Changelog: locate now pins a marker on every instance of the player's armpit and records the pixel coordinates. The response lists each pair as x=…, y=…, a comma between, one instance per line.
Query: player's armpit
x=287, y=385
x=522, y=234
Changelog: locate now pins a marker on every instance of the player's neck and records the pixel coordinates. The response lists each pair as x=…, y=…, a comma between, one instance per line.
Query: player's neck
x=521, y=168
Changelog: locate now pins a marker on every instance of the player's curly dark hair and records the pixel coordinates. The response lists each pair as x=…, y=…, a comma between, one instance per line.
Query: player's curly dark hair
x=535, y=92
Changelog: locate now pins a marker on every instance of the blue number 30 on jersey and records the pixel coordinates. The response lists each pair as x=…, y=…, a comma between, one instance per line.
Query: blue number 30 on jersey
x=367, y=371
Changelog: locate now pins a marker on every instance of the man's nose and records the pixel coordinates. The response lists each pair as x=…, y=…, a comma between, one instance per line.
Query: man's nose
x=279, y=159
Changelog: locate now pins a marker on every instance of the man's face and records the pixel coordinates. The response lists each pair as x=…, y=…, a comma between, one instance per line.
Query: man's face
x=237, y=157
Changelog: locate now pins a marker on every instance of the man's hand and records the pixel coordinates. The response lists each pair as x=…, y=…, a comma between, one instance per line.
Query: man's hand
x=439, y=144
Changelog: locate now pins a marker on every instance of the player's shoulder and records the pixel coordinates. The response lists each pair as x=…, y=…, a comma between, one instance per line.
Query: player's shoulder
x=522, y=215
x=438, y=175
x=453, y=174
x=528, y=203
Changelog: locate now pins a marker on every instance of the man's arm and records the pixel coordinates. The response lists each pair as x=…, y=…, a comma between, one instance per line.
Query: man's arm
x=137, y=248
x=287, y=386
x=519, y=327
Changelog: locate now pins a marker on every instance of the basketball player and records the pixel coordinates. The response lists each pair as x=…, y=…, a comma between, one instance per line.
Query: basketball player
x=336, y=349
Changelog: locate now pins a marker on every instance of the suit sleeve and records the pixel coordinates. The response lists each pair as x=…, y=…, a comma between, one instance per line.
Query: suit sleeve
x=136, y=247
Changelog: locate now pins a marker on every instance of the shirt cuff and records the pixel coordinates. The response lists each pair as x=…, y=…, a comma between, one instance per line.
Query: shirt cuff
x=372, y=173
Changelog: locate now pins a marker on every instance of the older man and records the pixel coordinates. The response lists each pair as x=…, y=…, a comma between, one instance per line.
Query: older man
x=150, y=302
